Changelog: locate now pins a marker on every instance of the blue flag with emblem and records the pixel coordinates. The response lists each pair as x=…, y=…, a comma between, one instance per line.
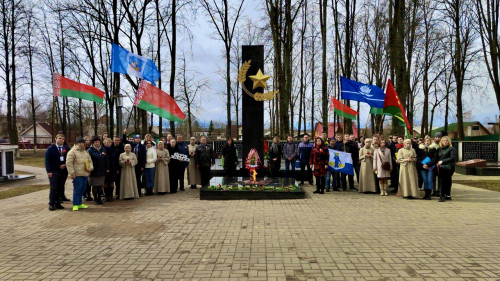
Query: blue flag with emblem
x=123, y=61
x=340, y=162
x=370, y=94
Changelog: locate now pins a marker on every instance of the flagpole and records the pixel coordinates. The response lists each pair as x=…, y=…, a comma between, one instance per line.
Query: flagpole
x=343, y=123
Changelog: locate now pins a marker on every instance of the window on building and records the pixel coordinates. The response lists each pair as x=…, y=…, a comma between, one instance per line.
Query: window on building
x=475, y=128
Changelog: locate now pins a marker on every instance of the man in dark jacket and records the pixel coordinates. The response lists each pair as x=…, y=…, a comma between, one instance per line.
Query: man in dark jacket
x=352, y=147
x=55, y=165
x=183, y=149
x=304, y=152
x=290, y=156
x=204, y=160
x=114, y=152
x=340, y=177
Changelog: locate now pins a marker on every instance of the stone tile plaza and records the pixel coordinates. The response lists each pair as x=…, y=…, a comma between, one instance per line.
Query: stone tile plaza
x=334, y=236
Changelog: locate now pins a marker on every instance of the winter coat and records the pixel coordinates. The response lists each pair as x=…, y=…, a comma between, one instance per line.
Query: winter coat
x=427, y=151
x=53, y=158
x=275, y=152
x=183, y=149
x=150, y=157
x=304, y=152
x=76, y=162
x=140, y=153
x=204, y=156
x=290, y=151
x=352, y=147
x=100, y=161
x=381, y=155
x=230, y=158
x=319, y=158
x=449, y=156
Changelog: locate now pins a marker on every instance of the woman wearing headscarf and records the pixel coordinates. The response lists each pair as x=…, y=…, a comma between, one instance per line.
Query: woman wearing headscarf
x=194, y=177
x=230, y=158
x=101, y=168
x=128, y=183
x=366, y=178
x=408, y=177
x=382, y=166
x=162, y=178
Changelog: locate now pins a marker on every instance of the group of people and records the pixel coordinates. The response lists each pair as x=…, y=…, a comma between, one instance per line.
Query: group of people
x=97, y=165
x=408, y=164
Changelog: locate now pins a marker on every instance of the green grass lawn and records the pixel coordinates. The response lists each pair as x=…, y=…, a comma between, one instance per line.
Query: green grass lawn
x=22, y=190
x=484, y=184
x=30, y=158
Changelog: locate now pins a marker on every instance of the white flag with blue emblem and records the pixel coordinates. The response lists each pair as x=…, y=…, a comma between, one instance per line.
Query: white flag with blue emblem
x=123, y=61
x=340, y=162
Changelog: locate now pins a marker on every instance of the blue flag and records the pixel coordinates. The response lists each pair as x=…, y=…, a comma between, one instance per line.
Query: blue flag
x=123, y=61
x=340, y=162
x=353, y=90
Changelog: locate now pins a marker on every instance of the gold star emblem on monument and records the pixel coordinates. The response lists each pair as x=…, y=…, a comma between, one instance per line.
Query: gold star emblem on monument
x=259, y=80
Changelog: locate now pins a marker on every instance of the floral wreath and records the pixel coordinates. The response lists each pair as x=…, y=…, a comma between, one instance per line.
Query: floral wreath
x=253, y=159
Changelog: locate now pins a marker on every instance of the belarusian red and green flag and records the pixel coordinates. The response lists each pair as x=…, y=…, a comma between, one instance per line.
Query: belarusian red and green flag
x=393, y=106
x=342, y=109
x=158, y=102
x=68, y=88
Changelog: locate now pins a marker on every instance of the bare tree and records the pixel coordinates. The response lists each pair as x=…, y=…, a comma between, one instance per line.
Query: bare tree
x=488, y=14
x=225, y=25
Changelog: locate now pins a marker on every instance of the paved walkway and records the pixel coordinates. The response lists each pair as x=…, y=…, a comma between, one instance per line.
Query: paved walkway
x=335, y=236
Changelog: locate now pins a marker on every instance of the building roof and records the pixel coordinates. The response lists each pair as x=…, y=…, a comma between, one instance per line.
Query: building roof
x=453, y=127
x=43, y=125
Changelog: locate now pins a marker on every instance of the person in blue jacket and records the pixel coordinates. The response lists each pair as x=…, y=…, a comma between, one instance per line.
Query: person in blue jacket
x=55, y=165
x=304, y=152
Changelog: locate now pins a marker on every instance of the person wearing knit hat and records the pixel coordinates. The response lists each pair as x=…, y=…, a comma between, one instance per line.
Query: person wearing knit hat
x=79, y=165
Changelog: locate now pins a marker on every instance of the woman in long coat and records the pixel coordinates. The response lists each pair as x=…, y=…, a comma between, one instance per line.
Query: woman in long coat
x=319, y=163
x=128, y=184
x=366, y=178
x=408, y=177
x=194, y=177
x=382, y=155
x=230, y=158
x=162, y=178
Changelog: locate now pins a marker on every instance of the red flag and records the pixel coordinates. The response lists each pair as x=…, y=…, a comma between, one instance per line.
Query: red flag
x=393, y=106
x=154, y=100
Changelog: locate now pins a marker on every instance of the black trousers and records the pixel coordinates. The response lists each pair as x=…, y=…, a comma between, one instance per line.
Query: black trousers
x=139, y=178
x=320, y=183
x=395, y=177
x=305, y=175
x=57, y=180
x=377, y=184
x=181, y=173
x=356, y=170
x=205, y=175
x=172, y=173
x=230, y=171
x=61, y=182
x=117, y=182
x=444, y=179
x=88, y=190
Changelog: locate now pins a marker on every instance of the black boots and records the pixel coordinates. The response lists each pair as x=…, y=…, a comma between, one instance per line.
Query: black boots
x=427, y=195
x=96, y=191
